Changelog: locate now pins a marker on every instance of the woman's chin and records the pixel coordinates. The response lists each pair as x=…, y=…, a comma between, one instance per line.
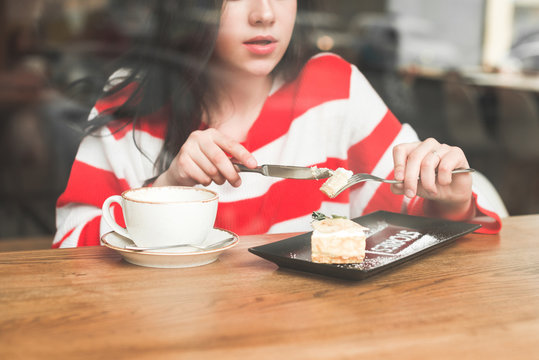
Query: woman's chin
x=257, y=68
x=261, y=68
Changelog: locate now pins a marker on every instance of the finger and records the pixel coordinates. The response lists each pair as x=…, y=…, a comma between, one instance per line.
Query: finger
x=397, y=189
x=413, y=165
x=192, y=163
x=400, y=155
x=193, y=152
x=428, y=177
x=214, y=149
x=236, y=150
x=454, y=158
x=209, y=168
x=192, y=170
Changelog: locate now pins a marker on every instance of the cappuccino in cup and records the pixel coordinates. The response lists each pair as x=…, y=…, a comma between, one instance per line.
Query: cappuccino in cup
x=164, y=216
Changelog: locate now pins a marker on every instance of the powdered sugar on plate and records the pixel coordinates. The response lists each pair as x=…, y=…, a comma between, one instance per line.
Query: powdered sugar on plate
x=370, y=263
x=420, y=244
x=399, y=244
x=378, y=226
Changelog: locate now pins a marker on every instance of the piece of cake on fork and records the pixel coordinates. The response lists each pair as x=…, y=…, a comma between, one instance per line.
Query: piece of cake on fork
x=336, y=181
x=337, y=240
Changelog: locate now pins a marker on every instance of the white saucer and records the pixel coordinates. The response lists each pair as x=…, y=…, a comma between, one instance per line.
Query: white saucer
x=173, y=257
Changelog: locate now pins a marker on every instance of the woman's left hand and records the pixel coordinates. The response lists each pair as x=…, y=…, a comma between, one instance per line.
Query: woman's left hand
x=432, y=163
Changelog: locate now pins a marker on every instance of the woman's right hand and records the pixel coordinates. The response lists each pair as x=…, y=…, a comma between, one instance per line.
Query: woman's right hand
x=205, y=158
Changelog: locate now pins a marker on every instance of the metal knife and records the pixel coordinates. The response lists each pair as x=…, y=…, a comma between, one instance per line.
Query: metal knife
x=288, y=172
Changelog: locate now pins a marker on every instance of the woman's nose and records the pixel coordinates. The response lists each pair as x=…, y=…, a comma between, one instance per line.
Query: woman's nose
x=262, y=13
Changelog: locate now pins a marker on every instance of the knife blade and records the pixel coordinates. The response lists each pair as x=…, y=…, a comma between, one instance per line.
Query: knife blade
x=288, y=172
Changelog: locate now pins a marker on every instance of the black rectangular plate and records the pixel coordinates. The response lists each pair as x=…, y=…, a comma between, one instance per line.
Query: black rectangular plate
x=392, y=240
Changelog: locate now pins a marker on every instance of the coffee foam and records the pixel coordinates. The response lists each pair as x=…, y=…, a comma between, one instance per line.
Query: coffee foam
x=169, y=194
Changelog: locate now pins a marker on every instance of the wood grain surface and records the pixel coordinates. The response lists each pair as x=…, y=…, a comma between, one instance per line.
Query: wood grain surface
x=476, y=299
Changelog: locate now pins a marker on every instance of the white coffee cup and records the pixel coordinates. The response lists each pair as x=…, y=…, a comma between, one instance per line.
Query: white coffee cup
x=162, y=216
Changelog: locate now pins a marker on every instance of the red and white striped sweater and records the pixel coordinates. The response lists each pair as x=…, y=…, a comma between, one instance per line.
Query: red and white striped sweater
x=329, y=116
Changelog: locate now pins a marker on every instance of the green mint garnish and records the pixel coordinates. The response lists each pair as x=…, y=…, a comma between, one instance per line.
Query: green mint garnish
x=317, y=215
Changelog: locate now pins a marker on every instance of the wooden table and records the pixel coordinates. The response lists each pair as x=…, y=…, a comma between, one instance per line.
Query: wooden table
x=476, y=299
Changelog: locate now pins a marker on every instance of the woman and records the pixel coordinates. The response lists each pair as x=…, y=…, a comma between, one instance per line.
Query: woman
x=234, y=79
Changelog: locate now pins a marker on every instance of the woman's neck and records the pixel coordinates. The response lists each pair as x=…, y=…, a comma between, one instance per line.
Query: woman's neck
x=239, y=100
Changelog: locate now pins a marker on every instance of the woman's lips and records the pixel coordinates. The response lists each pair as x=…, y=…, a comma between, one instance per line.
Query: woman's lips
x=261, y=45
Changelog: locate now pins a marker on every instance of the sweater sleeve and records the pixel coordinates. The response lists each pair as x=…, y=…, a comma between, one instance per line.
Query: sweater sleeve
x=92, y=180
x=375, y=131
x=107, y=163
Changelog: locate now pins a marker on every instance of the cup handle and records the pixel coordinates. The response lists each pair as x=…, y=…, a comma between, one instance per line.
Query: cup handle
x=109, y=218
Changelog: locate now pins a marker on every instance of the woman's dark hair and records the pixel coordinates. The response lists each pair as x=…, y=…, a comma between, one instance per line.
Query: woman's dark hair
x=169, y=66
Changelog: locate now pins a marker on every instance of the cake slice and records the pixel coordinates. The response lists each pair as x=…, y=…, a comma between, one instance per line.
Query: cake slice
x=336, y=181
x=337, y=241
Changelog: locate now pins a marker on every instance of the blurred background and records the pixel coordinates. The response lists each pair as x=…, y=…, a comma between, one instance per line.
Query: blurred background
x=463, y=71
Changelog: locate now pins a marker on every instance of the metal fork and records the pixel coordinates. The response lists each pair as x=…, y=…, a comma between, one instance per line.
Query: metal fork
x=357, y=178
